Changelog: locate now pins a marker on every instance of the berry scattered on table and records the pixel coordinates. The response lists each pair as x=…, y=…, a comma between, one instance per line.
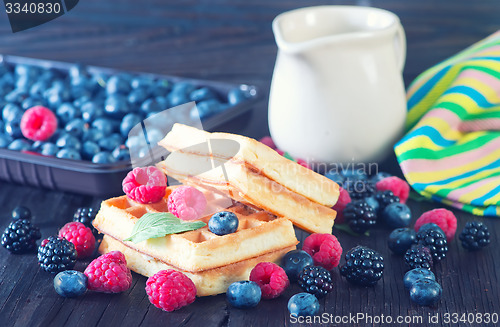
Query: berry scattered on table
x=425, y=292
x=86, y=215
x=186, y=203
x=145, y=185
x=399, y=187
x=444, y=218
x=21, y=212
x=243, y=294
x=431, y=226
x=418, y=257
x=294, y=262
x=38, y=123
x=396, y=215
x=56, y=254
x=363, y=266
x=109, y=273
x=81, y=236
x=170, y=290
x=360, y=216
x=325, y=250
x=20, y=236
x=435, y=242
x=384, y=198
x=401, y=239
x=303, y=305
x=316, y=280
x=70, y=283
x=223, y=223
x=271, y=279
x=413, y=275
x=344, y=199
x=474, y=236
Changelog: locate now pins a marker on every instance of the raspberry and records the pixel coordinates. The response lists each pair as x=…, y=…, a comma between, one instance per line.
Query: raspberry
x=170, y=290
x=187, y=203
x=344, y=199
x=271, y=279
x=80, y=236
x=109, y=273
x=38, y=123
x=325, y=250
x=145, y=185
x=445, y=219
x=399, y=187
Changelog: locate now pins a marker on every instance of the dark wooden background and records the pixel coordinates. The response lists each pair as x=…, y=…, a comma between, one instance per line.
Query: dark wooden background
x=231, y=40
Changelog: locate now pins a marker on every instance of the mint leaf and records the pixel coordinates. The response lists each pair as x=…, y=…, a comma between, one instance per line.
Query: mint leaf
x=159, y=224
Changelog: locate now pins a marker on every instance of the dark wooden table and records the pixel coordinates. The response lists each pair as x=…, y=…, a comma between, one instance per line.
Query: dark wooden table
x=232, y=41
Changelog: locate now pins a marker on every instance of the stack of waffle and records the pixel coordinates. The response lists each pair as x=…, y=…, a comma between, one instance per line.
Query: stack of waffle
x=266, y=191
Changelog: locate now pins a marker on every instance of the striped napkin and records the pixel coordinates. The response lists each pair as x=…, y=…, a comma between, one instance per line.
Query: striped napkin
x=451, y=152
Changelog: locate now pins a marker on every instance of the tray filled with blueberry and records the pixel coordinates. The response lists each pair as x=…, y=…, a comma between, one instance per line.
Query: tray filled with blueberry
x=65, y=126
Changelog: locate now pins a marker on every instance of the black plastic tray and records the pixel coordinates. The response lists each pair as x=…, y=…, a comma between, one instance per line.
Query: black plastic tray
x=86, y=177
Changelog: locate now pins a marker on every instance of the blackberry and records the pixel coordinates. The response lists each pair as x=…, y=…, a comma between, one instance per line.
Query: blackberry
x=359, y=189
x=20, y=236
x=315, y=280
x=435, y=242
x=360, y=216
x=363, y=266
x=418, y=256
x=85, y=215
x=475, y=235
x=56, y=254
x=384, y=198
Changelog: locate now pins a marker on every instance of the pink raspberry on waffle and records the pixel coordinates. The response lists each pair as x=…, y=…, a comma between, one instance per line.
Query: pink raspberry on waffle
x=81, y=236
x=271, y=279
x=445, y=219
x=187, y=203
x=399, y=187
x=38, y=123
x=145, y=185
x=325, y=250
x=344, y=199
x=170, y=290
x=109, y=273
x=267, y=140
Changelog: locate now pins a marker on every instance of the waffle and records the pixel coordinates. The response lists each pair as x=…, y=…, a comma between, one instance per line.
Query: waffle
x=259, y=233
x=208, y=282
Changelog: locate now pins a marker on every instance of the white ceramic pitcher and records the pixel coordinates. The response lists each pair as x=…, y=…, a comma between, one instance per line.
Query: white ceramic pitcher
x=337, y=93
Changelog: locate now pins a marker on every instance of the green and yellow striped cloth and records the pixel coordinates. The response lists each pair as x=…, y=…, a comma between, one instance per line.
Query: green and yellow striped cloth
x=451, y=152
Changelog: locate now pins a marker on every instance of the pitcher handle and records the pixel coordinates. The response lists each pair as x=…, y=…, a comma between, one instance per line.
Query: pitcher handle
x=400, y=45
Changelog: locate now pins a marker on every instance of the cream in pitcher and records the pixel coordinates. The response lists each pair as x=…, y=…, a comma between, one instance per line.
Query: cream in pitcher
x=337, y=92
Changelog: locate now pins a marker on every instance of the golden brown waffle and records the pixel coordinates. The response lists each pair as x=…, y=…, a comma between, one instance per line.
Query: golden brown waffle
x=259, y=232
x=208, y=282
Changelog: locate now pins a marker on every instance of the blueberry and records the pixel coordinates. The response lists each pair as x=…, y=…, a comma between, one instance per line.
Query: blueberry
x=26, y=70
x=176, y=98
x=49, y=149
x=202, y=94
x=68, y=141
x=425, y=292
x=78, y=71
x=161, y=88
x=105, y=125
x=13, y=128
x=303, y=304
x=335, y=176
x=137, y=96
x=4, y=140
x=401, y=239
x=294, y=262
x=150, y=105
x=223, y=223
x=55, y=96
x=70, y=283
x=76, y=127
x=354, y=174
x=431, y=226
x=235, y=96
x=11, y=111
x=244, y=294
x=82, y=90
x=379, y=176
x=117, y=84
x=183, y=87
x=109, y=143
x=142, y=82
x=128, y=122
x=37, y=88
x=103, y=157
x=415, y=274
x=21, y=212
x=121, y=153
x=116, y=106
x=93, y=135
x=89, y=150
x=24, y=83
x=19, y=145
x=91, y=110
x=66, y=112
x=68, y=153
x=31, y=102
x=396, y=215
x=372, y=201
x=208, y=108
